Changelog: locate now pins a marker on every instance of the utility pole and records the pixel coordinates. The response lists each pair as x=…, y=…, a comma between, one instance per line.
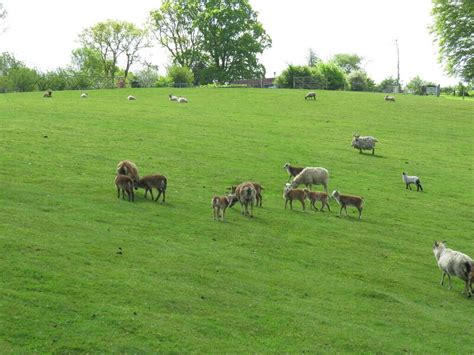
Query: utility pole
x=398, y=65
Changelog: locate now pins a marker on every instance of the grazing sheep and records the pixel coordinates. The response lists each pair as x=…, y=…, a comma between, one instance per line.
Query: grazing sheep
x=131, y=97
x=172, y=97
x=48, y=94
x=389, y=98
x=408, y=180
x=454, y=263
x=126, y=167
x=309, y=176
x=84, y=95
x=310, y=95
x=258, y=195
x=364, y=143
x=246, y=194
x=292, y=170
x=220, y=203
x=182, y=100
x=149, y=182
x=290, y=194
x=315, y=196
x=124, y=183
x=348, y=200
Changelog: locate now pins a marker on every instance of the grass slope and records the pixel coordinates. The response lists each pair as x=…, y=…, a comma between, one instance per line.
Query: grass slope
x=284, y=281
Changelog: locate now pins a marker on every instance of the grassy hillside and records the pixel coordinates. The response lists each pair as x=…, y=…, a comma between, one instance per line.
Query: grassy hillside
x=283, y=281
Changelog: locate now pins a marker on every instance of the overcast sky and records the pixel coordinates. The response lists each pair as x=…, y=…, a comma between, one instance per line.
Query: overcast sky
x=42, y=33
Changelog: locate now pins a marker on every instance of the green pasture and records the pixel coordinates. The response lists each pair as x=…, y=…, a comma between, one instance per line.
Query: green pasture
x=285, y=281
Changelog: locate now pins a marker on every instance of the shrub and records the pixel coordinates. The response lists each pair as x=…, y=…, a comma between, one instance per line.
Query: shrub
x=358, y=81
x=180, y=76
x=333, y=75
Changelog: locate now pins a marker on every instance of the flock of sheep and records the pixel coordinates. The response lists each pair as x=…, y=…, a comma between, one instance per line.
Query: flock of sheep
x=451, y=263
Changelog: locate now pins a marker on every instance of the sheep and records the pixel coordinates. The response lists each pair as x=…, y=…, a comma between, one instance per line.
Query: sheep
x=389, y=98
x=48, y=94
x=153, y=181
x=129, y=168
x=408, y=180
x=290, y=194
x=131, y=97
x=124, y=183
x=364, y=143
x=84, y=95
x=310, y=95
x=182, y=100
x=454, y=263
x=246, y=194
x=292, y=170
x=172, y=97
x=348, y=200
x=315, y=196
x=220, y=203
x=258, y=195
x=309, y=176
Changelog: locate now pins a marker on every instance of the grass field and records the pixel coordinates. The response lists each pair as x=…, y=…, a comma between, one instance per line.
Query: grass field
x=283, y=281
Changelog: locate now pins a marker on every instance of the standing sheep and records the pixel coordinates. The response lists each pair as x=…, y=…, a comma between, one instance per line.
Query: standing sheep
x=310, y=95
x=290, y=194
x=454, y=263
x=124, y=183
x=292, y=170
x=246, y=194
x=220, y=203
x=408, y=180
x=129, y=168
x=363, y=143
x=149, y=182
x=348, y=200
x=310, y=176
x=315, y=196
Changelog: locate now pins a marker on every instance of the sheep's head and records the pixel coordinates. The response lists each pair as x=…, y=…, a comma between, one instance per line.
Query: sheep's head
x=335, y=194
x=286, y=166
x=232, y=199
x=287, y=187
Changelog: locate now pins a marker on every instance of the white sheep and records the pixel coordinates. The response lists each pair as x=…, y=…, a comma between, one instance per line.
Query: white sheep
x=454, y=263
x=363, y=143
x=84, y=95
x=131, y=97
x=310, y=176
x=408, y=180
x=389, y=98
x=310, y=95
x=182, y=100
x=172, y=97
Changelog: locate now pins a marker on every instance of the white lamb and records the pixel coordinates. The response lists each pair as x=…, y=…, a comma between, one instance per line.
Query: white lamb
x=454, y=263
x=408, y=180
x=182, y=100
x=84, y=95
x=130, y=97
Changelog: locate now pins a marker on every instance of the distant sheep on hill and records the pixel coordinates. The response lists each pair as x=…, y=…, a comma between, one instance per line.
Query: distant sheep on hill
x=84, y=95
x=131, y=98
x=182, y=100
x=310, y=95
x=172, y=97
x=408, y=180
x=389, y=98
x=310, y=176
x=48, y=94
x=364, y=143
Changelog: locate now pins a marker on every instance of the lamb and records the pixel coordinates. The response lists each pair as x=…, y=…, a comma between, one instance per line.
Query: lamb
x=172, y=97
x=131, y=97
x=220, y=203
x=309, y=176
x=292, y=170
x=454, y=263
x=258, y=195
x=348, y=200
x=389, y=98
x=364, y=143
x=48, y=94
x=290, y=194
x=124, y=183
x=84, y=95
x=310, y=95
x=127, y=167
x=408, y=180
x=246, y=194
x=149, y=182
x=315, y=196
x=182, y=100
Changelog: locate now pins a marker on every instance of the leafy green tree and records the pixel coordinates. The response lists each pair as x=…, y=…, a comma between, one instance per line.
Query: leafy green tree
x=312, y=58
x=8, y=62
x=286, y=78
x=23, y=79
x=417, y=85
x=334, y=76
x=348, y=62
x=387, y=84
x=358, y=80
x=134, y=40
x=453, y=29
x=232, y=38
x=180, y=76
x=173, y=25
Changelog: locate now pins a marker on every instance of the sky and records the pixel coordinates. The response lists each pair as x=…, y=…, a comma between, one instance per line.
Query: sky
x=43, y=33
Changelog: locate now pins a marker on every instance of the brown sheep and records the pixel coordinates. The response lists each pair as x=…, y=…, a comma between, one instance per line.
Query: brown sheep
x=290, y=194
x=246, y=194
x=220, y=203
x=315, y=196
x=124, y=183
x=149, y=182
x=129, y=168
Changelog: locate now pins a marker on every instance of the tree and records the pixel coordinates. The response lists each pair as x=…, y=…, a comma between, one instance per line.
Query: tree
x=333, y=75
x=417, y=85
x=313, y=59
x=174, y=28
x=134, y=39
x=232, y=38
x=387, y=84
x=23, y=79
x=8, y=62
x=358, y=80
x=285, y=79
x=348, y=62
x=111, y=39
x=453, y=29
x=180, y=76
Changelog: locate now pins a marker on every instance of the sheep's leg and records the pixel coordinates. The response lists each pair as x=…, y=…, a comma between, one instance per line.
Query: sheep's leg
x=313, y=204
x=340, y=212
x=118, y=192
x=242, y=208
x=251, y=209
x=291, y=204
x=345, y=209
x=329, y=208
x=360, y=213
x=222, y=214
x=164, y=191
x=151, y=193
x=157, y=197
x=442, y=278
x=373, y=151
x=123, y=194
x=286, y=203
x=449, y=281
x=214, y=212
x=132, y=194
x=304, y=207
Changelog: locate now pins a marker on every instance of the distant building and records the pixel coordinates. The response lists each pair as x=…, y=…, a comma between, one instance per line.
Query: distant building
x=256, y=83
